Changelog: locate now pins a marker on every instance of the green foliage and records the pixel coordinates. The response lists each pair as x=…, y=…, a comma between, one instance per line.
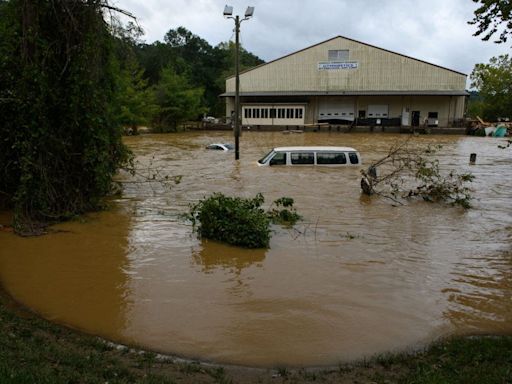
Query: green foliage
x=233, y=220
x=477, y=108
x=493, y=16
x=247, y=59
x=493, y=82
x=193, y=59
x=284, y=213
x=239, y=221
x=137, y=101
x=177, y=100
x=61, y=141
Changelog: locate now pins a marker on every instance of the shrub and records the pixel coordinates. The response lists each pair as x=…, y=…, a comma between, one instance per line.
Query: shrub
x=233, y=220
x=238, y=221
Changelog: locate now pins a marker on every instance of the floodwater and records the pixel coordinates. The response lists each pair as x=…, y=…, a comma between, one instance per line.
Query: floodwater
x=357, y=277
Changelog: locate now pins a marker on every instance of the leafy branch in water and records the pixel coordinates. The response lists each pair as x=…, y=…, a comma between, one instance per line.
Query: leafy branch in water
x=284, y=212
x=148, y=174
x=240, y=221
x=407, y=172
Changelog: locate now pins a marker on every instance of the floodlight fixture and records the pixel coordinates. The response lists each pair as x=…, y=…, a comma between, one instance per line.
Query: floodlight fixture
x=228, y=10
x=249, y=12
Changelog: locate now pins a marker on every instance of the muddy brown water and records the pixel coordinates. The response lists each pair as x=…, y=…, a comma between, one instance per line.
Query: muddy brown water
x=357, y=277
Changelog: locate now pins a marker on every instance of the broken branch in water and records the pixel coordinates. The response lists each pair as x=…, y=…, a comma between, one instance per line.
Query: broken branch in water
x=413, y=171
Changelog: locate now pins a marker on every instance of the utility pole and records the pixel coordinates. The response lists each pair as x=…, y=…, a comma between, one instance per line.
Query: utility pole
x=237, y=88
x=228, y=13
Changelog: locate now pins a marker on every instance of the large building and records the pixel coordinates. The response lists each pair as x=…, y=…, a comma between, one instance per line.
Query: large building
x=343, y=81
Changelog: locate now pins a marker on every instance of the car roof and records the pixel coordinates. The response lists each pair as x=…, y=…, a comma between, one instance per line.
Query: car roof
x=318, y=148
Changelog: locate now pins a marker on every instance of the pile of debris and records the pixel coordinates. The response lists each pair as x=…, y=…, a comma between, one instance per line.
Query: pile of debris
x=480, y=127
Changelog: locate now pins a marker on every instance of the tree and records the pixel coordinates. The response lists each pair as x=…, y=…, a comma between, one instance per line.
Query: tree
x=493, y=82
x=227, y=58
x=178, y=101
x=490, y=17
x=247, y=59
x=194, y=58
x=61, y=140
x=137, y=101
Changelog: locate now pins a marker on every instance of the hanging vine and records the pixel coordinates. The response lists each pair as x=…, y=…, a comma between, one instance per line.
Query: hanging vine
x=60, y=138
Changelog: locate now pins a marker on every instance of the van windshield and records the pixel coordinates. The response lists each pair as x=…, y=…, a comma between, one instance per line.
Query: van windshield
x=265, y=158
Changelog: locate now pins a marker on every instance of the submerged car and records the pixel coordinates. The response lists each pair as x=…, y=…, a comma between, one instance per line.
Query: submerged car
x=322, y=156
x=220, y=146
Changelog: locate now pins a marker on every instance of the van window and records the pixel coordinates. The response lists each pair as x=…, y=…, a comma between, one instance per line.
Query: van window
x=278, y=159
x=303, y=158
x=353, y=158
x=331, y=158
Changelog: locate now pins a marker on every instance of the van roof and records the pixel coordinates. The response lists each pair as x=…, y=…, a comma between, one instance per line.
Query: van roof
x=325, y=148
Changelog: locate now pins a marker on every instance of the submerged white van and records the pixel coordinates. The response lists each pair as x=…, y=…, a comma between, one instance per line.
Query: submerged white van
x=323, y=156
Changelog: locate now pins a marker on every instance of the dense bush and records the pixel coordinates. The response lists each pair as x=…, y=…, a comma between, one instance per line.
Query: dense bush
x=232, y=220
x=61, y=138
x=239, y=221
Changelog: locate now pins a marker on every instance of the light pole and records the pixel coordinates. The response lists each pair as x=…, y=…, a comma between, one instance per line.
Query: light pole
x=228, y=13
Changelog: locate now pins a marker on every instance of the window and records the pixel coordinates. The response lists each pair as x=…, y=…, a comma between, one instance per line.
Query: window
x=353, y=158
x=289, y=113
x=331, y=158
x=256, y=113
x=272, y=113
x=338, y=55
x=247, y=113
x=280, y=113
x=432, y=115
x=302, y=158
x=298, y=113
x=264, y=113
x=278, y=159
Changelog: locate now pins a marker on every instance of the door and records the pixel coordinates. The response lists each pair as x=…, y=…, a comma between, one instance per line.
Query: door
x=415, y=119
x=405, y=116
x=332, y=109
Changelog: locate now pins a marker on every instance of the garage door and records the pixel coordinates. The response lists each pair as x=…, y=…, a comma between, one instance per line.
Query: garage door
x=378, y=111
x=335, y=110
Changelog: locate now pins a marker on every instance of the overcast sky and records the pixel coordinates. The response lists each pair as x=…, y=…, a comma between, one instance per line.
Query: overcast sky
x=432, y=30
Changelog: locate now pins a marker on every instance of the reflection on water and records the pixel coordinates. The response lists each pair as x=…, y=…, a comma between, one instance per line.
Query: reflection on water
x=216, y=255
x=356, y=277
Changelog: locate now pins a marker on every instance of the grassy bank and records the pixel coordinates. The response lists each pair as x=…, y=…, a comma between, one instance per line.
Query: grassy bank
x=33, y=350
